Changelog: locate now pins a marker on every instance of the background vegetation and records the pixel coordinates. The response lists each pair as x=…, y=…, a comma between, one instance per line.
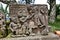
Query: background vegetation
x=56, y=24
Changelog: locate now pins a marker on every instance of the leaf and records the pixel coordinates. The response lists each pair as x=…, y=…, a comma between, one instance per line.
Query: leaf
x=2, y=9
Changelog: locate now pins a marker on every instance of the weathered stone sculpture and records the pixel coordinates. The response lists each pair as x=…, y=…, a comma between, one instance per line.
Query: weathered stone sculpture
x=15, y=25
x=29, y=19
x=2, y=23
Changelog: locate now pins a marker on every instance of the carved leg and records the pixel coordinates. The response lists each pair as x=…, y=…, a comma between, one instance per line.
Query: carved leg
x=31, y=33
x=23, y=30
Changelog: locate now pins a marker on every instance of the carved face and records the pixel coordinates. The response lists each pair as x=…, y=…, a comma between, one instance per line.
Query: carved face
x=43, y=10
x=22, y=15
x=14, y=19
x=31, y=9
x=1, y=16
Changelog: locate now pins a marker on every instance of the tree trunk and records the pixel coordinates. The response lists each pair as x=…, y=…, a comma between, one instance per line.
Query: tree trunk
x=8, y=1
x=52, y=12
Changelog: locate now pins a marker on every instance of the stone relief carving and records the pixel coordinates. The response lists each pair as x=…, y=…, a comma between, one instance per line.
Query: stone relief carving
x=29, y=19
x=2, y=23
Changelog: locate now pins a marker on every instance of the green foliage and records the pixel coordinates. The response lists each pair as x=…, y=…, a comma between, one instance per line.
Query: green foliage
x=58, y=9
x=1, y=34
x=50, y=1
x=4, y=10
x=56, y=24
x=29, y=1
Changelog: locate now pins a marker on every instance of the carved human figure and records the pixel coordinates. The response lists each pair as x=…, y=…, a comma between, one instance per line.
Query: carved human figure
x=33, y=11
x=2, y=23
x=25, y=28
x=23, y=18
x=31, y=26
x=43, y=16
x=19, y=29
x=40, y=18
x=15, y=26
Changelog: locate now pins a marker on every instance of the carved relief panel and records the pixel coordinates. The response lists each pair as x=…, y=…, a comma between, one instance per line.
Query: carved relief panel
x=29, y=19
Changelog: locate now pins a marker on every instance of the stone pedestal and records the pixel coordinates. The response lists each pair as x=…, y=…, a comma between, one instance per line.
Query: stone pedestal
x=51, y=36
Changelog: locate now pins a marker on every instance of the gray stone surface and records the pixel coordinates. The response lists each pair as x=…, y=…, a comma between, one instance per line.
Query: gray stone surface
x=51, y=36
